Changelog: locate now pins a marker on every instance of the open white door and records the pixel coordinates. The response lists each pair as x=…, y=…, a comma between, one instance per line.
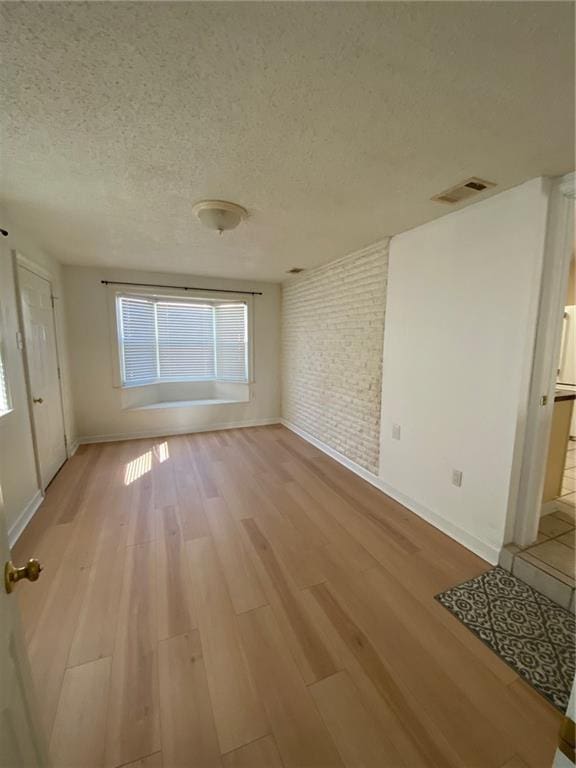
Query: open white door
x=22, y=743
x=42, y=362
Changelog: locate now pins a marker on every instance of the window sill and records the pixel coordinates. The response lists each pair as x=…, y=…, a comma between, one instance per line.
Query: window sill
x=183, y=395
x=182, y=404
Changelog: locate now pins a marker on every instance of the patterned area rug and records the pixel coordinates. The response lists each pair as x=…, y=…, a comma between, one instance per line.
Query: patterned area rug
x=530, y=632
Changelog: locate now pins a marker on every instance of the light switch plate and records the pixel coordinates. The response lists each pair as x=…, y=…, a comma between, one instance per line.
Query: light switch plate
x=456, y=478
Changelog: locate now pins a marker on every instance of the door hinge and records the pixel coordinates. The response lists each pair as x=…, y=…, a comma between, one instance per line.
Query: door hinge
x=59, y=373
x=544, y=400
x=52, y=300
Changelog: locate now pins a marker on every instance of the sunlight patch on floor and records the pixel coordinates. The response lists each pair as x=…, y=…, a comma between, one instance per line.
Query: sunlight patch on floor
x=137, y=467
x=162, y=452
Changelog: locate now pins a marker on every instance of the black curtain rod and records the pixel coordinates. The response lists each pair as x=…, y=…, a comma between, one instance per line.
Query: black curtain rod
x=182, y=287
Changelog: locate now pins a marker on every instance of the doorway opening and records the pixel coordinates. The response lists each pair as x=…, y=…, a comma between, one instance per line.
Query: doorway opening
x=541, y=533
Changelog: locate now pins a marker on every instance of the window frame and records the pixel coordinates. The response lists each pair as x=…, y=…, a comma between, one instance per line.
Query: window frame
x=173, y=295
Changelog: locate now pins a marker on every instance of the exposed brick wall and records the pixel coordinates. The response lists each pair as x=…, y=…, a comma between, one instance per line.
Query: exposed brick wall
x=332, y=339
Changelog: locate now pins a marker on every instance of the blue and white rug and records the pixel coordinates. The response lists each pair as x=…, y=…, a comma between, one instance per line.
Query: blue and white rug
x=527, y=630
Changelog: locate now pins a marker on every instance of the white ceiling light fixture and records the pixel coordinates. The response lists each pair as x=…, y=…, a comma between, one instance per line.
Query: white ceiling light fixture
x=219, y=214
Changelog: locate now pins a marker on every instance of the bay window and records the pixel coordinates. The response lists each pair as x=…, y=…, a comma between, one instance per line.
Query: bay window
x=163, y=339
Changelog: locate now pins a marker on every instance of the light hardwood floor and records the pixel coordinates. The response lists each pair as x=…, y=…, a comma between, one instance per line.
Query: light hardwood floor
x=237, y=599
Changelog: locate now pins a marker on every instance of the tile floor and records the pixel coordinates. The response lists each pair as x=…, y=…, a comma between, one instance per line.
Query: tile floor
x=554, y=548
x=549, y=563
x=569, y=479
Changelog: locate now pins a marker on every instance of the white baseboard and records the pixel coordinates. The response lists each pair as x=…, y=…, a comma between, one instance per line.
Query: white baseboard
x=24, y=518
x=358, y=469
x=548, y=507
x=563, y=506
x=481, y=548
x=117, y=436
x=73, y=447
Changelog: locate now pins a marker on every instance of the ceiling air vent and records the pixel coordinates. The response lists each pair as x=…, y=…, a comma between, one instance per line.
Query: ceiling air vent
x=295, y=270
x=463, y=191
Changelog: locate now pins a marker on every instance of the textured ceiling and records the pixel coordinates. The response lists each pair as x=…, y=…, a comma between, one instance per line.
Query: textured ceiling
x=333, y=123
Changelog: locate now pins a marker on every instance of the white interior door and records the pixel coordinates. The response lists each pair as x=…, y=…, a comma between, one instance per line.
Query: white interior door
x=42, y=359
x=22, y=743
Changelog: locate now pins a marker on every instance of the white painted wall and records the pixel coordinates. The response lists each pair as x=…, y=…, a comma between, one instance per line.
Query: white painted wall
x=98, y=402
x=460, y=322
x=332, y=331
x=17, y=468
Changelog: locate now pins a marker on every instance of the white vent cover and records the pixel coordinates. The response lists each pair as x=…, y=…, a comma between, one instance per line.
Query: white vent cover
x=464, y=190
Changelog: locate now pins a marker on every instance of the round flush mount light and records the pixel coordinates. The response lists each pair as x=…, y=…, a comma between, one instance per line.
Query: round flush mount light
x=219, y=215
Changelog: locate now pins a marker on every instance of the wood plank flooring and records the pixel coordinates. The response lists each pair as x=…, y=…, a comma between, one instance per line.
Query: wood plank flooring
x=238, y=599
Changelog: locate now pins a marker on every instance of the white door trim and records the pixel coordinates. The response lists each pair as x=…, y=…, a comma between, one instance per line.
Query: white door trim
x=31, y=266
x=523, y=523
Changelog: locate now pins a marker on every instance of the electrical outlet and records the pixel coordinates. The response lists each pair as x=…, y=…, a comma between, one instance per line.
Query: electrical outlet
x=395, y=431
x=456, y=478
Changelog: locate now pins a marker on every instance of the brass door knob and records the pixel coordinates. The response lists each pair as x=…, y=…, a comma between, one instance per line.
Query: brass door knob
x=30, y=571
x=37, y=400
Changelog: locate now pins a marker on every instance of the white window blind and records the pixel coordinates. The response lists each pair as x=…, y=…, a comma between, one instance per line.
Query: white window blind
x=185, y=341
x=231, y=341
x=138, y=340
x=163, y=340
